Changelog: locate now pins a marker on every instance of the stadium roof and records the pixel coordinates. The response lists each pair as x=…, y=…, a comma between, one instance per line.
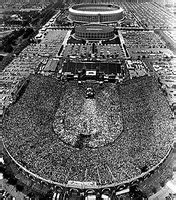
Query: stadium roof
x=94, y=28
x=93, y=9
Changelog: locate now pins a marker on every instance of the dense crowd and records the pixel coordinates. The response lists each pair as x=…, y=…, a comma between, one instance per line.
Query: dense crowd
x=143, y=39
x=100, y=51
x=159, y=177
x=145, y=43
x=145, y=140
x=29, y=60
x=137, y=68
x=98, y=118
x=61, y=135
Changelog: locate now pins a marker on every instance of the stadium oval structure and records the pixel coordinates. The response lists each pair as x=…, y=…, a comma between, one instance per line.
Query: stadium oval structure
x=92, y=13
x=66, y=145
x=94, y=32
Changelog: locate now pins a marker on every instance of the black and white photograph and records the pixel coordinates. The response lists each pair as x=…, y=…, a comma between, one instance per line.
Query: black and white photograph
x=88, y=100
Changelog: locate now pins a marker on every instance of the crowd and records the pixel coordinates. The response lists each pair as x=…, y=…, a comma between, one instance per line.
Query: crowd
x=166, y=72
x=143, y=39
x=61, y=135
x=107, y=51
x=145, y=14
x=146, y=137
x=137, y=68
x=145, y=43
x=29, y=60
x=150, y=14
x=159, y=178
x=99, y=118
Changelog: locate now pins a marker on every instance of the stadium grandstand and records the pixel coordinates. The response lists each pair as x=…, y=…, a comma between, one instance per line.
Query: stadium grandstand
x=61, y=142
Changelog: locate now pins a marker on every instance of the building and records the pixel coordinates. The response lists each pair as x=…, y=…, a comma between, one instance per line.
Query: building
x=94, y=32
x=92, y=13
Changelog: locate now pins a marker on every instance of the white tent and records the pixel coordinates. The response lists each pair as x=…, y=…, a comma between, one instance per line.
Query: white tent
x=1, y=176
x=105, y=197
x=54, y=196
x=91, y=197
x=1, y=160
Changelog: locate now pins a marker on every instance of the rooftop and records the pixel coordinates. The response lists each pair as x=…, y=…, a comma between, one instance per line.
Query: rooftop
x=94, y=28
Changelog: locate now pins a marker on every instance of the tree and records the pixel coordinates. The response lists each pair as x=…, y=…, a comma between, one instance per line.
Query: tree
x=154, y=190
x=1, y=57
x=8, y=48
x=28, y=32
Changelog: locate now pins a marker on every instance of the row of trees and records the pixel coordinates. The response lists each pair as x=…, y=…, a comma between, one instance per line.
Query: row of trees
x=10, y=41
x=19, y=39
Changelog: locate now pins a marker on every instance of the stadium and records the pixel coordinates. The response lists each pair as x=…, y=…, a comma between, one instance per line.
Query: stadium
x=89, y=106
x=121, y=141
x=91, y=13
x=94, y=32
